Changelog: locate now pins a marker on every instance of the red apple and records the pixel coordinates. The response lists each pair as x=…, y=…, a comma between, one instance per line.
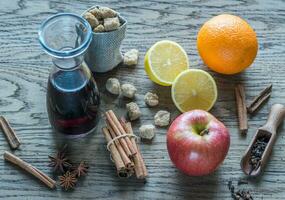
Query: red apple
x=197, y=142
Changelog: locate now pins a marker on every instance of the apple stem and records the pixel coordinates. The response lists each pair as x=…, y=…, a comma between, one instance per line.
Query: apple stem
x=205, y=131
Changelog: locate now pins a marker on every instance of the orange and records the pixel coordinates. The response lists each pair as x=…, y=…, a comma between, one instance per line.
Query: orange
x=227, y=44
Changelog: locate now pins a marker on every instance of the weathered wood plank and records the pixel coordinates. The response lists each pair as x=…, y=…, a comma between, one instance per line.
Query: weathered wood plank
x=24, y=70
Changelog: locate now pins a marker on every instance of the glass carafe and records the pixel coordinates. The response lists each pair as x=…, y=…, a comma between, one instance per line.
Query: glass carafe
x=72, y=95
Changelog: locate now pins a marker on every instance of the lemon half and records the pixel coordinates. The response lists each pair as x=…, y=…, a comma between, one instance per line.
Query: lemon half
x=164, y=61
x=194, y=89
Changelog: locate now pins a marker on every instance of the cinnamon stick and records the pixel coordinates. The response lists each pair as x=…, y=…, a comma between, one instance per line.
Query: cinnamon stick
x=123, y=132
x=140, y=168
x=259, y=99
x=241, y=108
x=122, y=153
x=29, y=168
x=140, y=158
x=117, y=133
x=119, y=163
x=10, y=134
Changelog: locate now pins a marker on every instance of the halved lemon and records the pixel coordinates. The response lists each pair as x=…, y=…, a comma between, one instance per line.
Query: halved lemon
x=164, y=61
x=194, y=89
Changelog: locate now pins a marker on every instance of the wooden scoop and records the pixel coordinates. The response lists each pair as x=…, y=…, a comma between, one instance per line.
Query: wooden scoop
x=267, y=131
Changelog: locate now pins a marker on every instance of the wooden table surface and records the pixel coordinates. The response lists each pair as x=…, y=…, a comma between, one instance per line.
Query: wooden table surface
x=24, y=70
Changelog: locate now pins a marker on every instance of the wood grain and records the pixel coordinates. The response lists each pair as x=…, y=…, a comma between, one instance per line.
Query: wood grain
x=24, y=69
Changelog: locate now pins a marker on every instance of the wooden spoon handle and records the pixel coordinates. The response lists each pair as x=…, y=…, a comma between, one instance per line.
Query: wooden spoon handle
x=276, y=116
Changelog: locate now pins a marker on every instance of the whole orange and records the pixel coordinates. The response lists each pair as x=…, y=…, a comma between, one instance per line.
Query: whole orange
x=227, y=44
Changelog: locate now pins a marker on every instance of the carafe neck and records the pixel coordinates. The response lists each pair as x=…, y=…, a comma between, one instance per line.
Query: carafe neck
x=65, y=37
x=68, y=63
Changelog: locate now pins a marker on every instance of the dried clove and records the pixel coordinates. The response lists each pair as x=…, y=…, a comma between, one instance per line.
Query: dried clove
x=240, y=194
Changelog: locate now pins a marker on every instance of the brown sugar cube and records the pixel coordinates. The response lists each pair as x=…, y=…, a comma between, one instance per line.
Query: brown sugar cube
x=99, y=28
x=111, y=24
x=96, y=12
x=107, y=12
x=91, y=19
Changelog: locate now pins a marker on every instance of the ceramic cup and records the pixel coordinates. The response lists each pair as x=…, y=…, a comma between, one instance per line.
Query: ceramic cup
x=104, y=52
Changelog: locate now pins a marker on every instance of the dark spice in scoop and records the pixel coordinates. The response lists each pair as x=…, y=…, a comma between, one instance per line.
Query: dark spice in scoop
x=257, y=151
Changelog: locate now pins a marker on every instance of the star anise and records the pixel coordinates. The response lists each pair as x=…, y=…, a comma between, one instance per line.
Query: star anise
x=67, y=180
x=59, y=162
x=81, y=169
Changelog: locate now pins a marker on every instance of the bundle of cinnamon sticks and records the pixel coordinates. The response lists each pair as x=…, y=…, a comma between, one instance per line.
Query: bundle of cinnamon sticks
x=123, y=147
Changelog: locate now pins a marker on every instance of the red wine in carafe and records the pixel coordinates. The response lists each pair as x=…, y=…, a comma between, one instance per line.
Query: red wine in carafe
x=73, y=102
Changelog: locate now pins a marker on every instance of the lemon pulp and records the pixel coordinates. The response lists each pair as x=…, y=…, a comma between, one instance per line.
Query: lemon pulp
x=164, y=61
x=194, y=89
